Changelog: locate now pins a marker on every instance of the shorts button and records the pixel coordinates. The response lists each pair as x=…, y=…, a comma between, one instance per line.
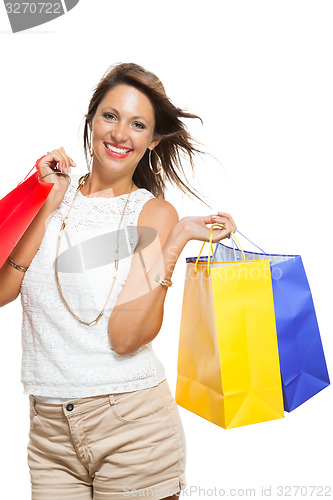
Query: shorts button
x=70, y=407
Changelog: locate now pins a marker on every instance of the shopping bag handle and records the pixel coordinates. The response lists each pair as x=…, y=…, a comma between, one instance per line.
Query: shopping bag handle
x=37, y=170
x=211, y=248
x=252, y=242
x=233, y=246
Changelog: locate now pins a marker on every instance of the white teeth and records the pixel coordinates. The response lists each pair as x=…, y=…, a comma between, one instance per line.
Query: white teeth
x=116, y=150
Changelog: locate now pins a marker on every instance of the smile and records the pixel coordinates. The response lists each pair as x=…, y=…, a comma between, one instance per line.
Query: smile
x=118, y=151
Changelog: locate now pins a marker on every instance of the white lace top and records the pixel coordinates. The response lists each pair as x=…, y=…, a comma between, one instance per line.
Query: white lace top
x=61, y=358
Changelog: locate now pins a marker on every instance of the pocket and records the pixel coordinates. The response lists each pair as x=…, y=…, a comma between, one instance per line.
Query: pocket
x=139, y=406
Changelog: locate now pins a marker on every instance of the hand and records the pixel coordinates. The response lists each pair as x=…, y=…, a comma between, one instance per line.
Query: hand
x=56, y=161
x=196, y=229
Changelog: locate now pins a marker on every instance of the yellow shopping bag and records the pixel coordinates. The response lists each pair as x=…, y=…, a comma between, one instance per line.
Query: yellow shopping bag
x=228, y=361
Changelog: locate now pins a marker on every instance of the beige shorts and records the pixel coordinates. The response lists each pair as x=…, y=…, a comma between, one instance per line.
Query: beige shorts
x=109, y=447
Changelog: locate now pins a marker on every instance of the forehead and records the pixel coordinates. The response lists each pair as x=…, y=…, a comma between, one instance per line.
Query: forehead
x=128, y=100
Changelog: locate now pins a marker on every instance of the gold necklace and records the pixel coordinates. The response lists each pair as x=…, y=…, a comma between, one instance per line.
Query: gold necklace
x=81, y=183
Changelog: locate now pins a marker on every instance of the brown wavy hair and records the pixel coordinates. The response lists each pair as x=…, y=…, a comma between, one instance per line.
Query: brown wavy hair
x=168, y=124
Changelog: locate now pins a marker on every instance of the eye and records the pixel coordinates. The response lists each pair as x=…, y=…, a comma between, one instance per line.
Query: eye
x=141, y=126
x=107, y=115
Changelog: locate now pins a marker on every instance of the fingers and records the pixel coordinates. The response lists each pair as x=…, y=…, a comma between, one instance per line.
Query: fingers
x=59, y=158
x=220, y=234
x=225, y=219
x=64, y=161
x=228, y=216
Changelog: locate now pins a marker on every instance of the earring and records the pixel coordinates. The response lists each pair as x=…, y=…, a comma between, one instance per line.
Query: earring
x=91, y=151
x=159, y=159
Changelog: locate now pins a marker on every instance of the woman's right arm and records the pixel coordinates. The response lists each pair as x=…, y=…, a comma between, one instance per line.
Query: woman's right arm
x=26, y=249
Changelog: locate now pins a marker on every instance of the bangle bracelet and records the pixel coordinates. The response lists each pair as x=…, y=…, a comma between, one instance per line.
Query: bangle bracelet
x=158, y=279
x=164, y=282
x=61, y=173
x=13, y=263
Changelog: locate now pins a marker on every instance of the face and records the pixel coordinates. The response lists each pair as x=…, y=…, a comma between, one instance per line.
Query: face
x=122, y=129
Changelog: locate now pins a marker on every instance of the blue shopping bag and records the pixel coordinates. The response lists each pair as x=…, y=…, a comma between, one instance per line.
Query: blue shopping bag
x=302, y=361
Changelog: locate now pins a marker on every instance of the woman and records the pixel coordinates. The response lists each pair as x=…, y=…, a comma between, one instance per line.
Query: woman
x=97, y=262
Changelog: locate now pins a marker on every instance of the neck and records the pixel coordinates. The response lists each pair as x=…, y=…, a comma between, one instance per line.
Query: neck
x=96, y=188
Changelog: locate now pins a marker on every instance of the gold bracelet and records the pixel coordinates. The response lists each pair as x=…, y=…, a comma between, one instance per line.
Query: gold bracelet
x=158, y=279
x=61, y=173
x=164, y=282
x=13, y=263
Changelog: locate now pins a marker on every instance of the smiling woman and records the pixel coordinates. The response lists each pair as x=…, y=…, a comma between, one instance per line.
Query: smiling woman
x=131, y=99
x=120, y=136
x=94, y=301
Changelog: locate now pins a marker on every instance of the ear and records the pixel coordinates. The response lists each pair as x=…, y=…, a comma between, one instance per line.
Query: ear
x=156, y=141
x=90, y=126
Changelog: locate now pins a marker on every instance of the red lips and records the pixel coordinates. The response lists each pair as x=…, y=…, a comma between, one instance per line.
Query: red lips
x=117, y=145
x=116, y=155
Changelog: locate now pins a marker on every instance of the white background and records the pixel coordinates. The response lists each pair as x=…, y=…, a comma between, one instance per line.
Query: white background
x=259, y=73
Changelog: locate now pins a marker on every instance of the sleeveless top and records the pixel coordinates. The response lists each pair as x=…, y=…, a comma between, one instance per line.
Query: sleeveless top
x=61, y=358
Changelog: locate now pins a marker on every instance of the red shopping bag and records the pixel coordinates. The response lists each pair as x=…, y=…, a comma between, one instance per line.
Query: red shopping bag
x=18, y=209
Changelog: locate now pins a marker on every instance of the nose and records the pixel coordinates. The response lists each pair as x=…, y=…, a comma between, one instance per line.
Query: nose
x=120, y=133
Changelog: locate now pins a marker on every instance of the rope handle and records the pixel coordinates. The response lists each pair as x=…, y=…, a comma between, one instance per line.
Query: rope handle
x=211, y=248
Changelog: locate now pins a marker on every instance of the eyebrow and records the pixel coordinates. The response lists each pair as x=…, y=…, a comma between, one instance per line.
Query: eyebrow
x=133, y=117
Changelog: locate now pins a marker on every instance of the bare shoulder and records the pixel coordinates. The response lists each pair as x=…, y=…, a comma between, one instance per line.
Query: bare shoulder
x=157, y=209
x=160, y=215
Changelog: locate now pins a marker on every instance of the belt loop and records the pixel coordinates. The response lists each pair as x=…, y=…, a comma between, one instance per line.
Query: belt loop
x=112, y=400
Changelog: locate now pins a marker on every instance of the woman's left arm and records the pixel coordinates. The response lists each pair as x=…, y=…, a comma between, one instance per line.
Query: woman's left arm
x=138, y=314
